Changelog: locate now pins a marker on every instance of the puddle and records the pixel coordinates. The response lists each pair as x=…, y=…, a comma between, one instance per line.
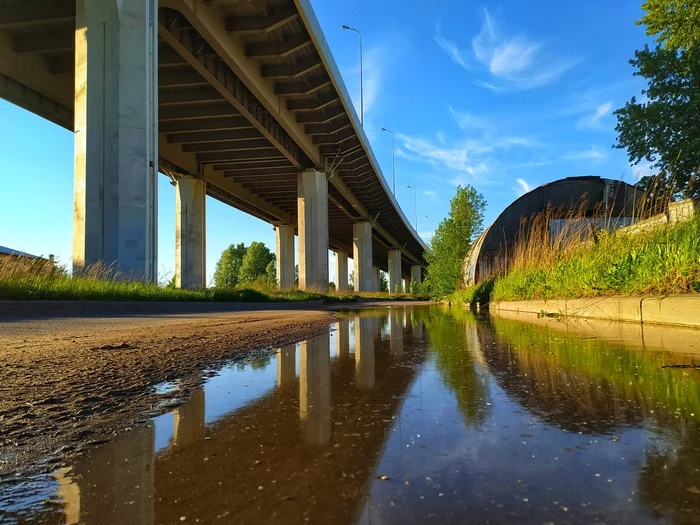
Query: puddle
x=405, y=415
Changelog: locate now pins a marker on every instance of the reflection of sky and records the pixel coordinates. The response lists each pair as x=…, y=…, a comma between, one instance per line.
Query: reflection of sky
x=512, y=468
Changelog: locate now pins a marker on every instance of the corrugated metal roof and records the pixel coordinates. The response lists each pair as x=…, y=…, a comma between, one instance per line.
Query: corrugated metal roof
x=9, y=251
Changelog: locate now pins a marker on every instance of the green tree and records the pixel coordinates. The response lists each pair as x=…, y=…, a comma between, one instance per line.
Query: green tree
x=664, y=129
x=383, y=282
x=450, y=244
x=676, y=23
x=271, y=270
x=255, y=262
x=228, y=266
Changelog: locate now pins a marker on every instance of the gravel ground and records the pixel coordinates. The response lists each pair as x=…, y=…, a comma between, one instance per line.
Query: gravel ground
x=67, y=384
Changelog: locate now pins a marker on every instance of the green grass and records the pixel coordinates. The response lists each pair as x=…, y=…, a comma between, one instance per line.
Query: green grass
x=479, y=294
x=663, y=260
x=45, y=287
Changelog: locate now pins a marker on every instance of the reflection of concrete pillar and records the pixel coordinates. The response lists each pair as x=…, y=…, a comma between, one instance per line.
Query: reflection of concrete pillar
x=362, y=256
x=342, y=338
x=284, y=255
x=376, y=279
x=69, y=495
x=115, y=481
x=312, y=205
x=286, y=366
x=364, y=351
x=396, y=333
x=315, y=391
x=190, y=233
x=189, y=420
x=116, y=137
x=394, y=270
x=341, y=271
x=416, y=328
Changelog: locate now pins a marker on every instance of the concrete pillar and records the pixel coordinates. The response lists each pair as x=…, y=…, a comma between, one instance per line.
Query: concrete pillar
x=284, y=252
x=315, y=391
x=190, y=233
x=406, y=285
x=341, y=271
x=362, y=256
x=394, y=269
x=396, y=332
x=312, y=204
x=376, y=279
x=286, y=366
x=189, y=421
x=342, y=339
x=416, y=274
x=116, y=137
x=364, y=352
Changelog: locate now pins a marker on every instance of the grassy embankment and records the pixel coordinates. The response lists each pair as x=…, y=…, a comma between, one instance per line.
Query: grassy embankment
x=658, y=260
x=37, y=281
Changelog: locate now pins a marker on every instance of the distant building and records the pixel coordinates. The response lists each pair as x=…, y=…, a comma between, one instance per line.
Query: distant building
x=593, y=202
x=9, y=252
x=22, y=260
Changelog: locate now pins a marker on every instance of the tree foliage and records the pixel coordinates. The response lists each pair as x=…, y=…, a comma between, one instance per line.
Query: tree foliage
x=676, y=23
x=452, y=240
x=229, y=266
x=664, y=129
x=255, y=263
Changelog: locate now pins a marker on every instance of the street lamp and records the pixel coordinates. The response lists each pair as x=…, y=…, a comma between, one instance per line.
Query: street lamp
x=362, y=101
x=415, y=203
x=393, y=161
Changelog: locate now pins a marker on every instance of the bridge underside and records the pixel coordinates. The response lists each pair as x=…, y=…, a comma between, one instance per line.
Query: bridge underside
x=246, y=101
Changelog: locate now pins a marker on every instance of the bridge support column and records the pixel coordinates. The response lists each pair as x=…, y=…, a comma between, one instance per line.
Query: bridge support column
x=189, y=422
x=312, y=204
x=394, y=270
x=362, y=256
x=285, y=255
x=396, y=329
x=116, y=137
x=286, y=366
x=341, y=271
x=376, y=279
x=342, y=340
x=190, y=233
x=416, y=274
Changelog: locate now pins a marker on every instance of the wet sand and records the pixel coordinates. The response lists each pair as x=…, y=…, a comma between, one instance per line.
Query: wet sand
x=67, y=384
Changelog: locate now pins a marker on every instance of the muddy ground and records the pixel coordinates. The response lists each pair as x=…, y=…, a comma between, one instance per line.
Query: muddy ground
x=68, y=384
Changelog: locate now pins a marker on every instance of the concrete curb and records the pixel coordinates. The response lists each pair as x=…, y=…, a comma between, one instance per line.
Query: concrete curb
x=676, y=310
x=19, y=309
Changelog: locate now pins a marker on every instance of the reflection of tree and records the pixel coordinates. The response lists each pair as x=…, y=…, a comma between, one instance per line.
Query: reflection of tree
x=669, y=484
x=589, y=385
x=454, y=358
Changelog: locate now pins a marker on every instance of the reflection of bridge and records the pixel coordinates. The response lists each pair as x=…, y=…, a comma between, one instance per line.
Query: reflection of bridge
x=241, y=101
x=307, y=448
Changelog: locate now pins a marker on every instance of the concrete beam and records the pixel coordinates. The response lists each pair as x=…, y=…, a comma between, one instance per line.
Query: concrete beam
x=284, y=251
x=243, y=25
x=190, y=233
x=312, y=205
x=297, y=88
x=116, y=138
x=362, y=256
x=209, y=23
x=291, y=71
x=219, y=74
x=270, y=50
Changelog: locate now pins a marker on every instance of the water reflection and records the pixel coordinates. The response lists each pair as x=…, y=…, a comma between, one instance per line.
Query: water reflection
x=403, y=416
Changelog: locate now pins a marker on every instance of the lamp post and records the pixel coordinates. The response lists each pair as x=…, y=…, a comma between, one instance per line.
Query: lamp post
x=362, y=101
x=393, y=161
x=415, y=203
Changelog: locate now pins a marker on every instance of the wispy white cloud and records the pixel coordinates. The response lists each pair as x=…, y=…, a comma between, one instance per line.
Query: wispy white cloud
x=456, y=54
x=432, y=195
x=524, y=186
x=593, y=154
x=426, y=236
x=514, y=62
x=643, y=169
x=593, y=119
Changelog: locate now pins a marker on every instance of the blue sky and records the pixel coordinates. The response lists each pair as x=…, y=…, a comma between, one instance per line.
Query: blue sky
x=504, y=96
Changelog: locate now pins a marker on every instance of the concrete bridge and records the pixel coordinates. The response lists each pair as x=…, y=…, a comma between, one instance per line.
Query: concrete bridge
x=238, y=100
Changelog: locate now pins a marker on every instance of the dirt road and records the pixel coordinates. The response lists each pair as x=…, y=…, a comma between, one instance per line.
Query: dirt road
x=70, y=383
